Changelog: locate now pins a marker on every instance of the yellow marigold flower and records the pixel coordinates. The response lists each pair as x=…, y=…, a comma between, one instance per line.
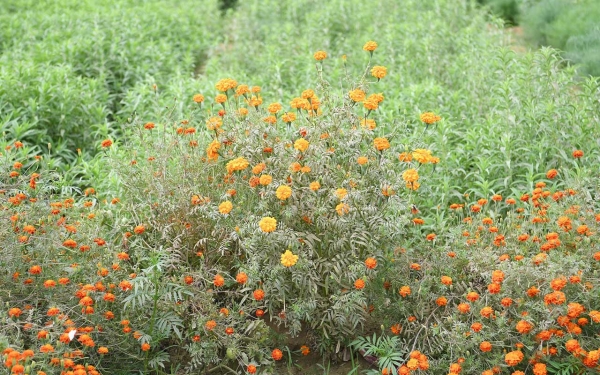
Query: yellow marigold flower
x=341, y=193
x=362, y=160
x=255, y=101
x=305, y=169
x=430, y=118
x=296, y=103
x=225, y=207
x=274, y=108
x=220, y=98
x=320, y=55
x=214, y=123
x=270, y=120
x=413, y=185
x=258, y=168
x=410, y=175
x=212, y=151
x=267, y=224
x=301, y=144
x=283, y=192
x=255, y=89
x=226, y=84
x=242, y=90
x=307, y=94
x=379, y=72
x=238, y=164
x=405, y=157
x=243, y=111
x=265, y=179
x=314, y=186
x=368, y=123
x=198, y=98
x=381, y=144
x=288, y=259
x=371, y=104
x=370, y=46
x=357, y=95
x=342, y=209
x=289, y=117
x=422, y=155
x=376, y=97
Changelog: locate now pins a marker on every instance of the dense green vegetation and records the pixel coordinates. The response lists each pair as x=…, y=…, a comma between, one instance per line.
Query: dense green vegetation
x=568, y=25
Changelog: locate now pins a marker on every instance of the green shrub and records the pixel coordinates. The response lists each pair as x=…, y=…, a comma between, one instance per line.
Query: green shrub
x=509, y=10
x=66, y=66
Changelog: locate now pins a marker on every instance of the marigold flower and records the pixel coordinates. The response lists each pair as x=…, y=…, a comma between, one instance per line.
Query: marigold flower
x=485, y=346
x=371, y=263
x=422, y=155
x=289, y=117
x=441, y=301
x=464, y=307
x=486, y=312
x=405, y=291
x=106, y=143
x=276, y=354
x=472, y=296
x=342, y=209
x=212, y=151
x=430, y=118
x=283, y=192
x=357, y=95
x=267, y=224
x=145, y=347
x=446, y=280
x=368, y=124
x=524, y=327
x=301, y=144
x=476, y=327
x=371, y=104
x=359, y=284
x=265, y=179
x=226, y=84
x=513, y=358
x=288, y=259
x=577, y=154
x=198, y=98
x=218, y=280
x=237, y=164
x=320, y=55
x=539, y=369
x=552, y=173
x=14, y=312
x=362, y=160
x=379, y=72
x=370, y=46
x=214, y=123
x=225, y=207
x=410, y=175
x=258, y=294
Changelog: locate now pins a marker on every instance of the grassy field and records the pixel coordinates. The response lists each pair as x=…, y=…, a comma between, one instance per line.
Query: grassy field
x=165, y=218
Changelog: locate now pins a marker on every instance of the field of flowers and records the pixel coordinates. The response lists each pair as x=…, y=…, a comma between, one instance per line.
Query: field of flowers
x=381, y=184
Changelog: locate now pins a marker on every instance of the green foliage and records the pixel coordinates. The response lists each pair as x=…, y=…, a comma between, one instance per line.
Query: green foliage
x=66, y=66
x=507, y=9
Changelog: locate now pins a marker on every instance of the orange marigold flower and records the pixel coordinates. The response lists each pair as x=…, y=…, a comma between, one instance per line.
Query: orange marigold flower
x=276, y=354
x=145, y=347
x=464, y=307
x=430, y=118
x=404, y=291
x=485, y=346
x=539, y=369
x=524, y=327
x=359, y=284
x=446, y=280
x=577, y=154
x=371, y=263
x=381, y=144
x=320, y=55
x=258, y=294
x=441, y=301
x=513, y=358
x=106, y=143
x=370, y=46
x=218, y=280
x=379, y=72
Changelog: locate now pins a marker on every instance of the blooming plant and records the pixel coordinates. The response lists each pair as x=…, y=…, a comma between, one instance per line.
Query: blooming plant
x=229, y=221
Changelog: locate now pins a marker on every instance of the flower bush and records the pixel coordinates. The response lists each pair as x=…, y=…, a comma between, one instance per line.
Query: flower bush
x=239, y=218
